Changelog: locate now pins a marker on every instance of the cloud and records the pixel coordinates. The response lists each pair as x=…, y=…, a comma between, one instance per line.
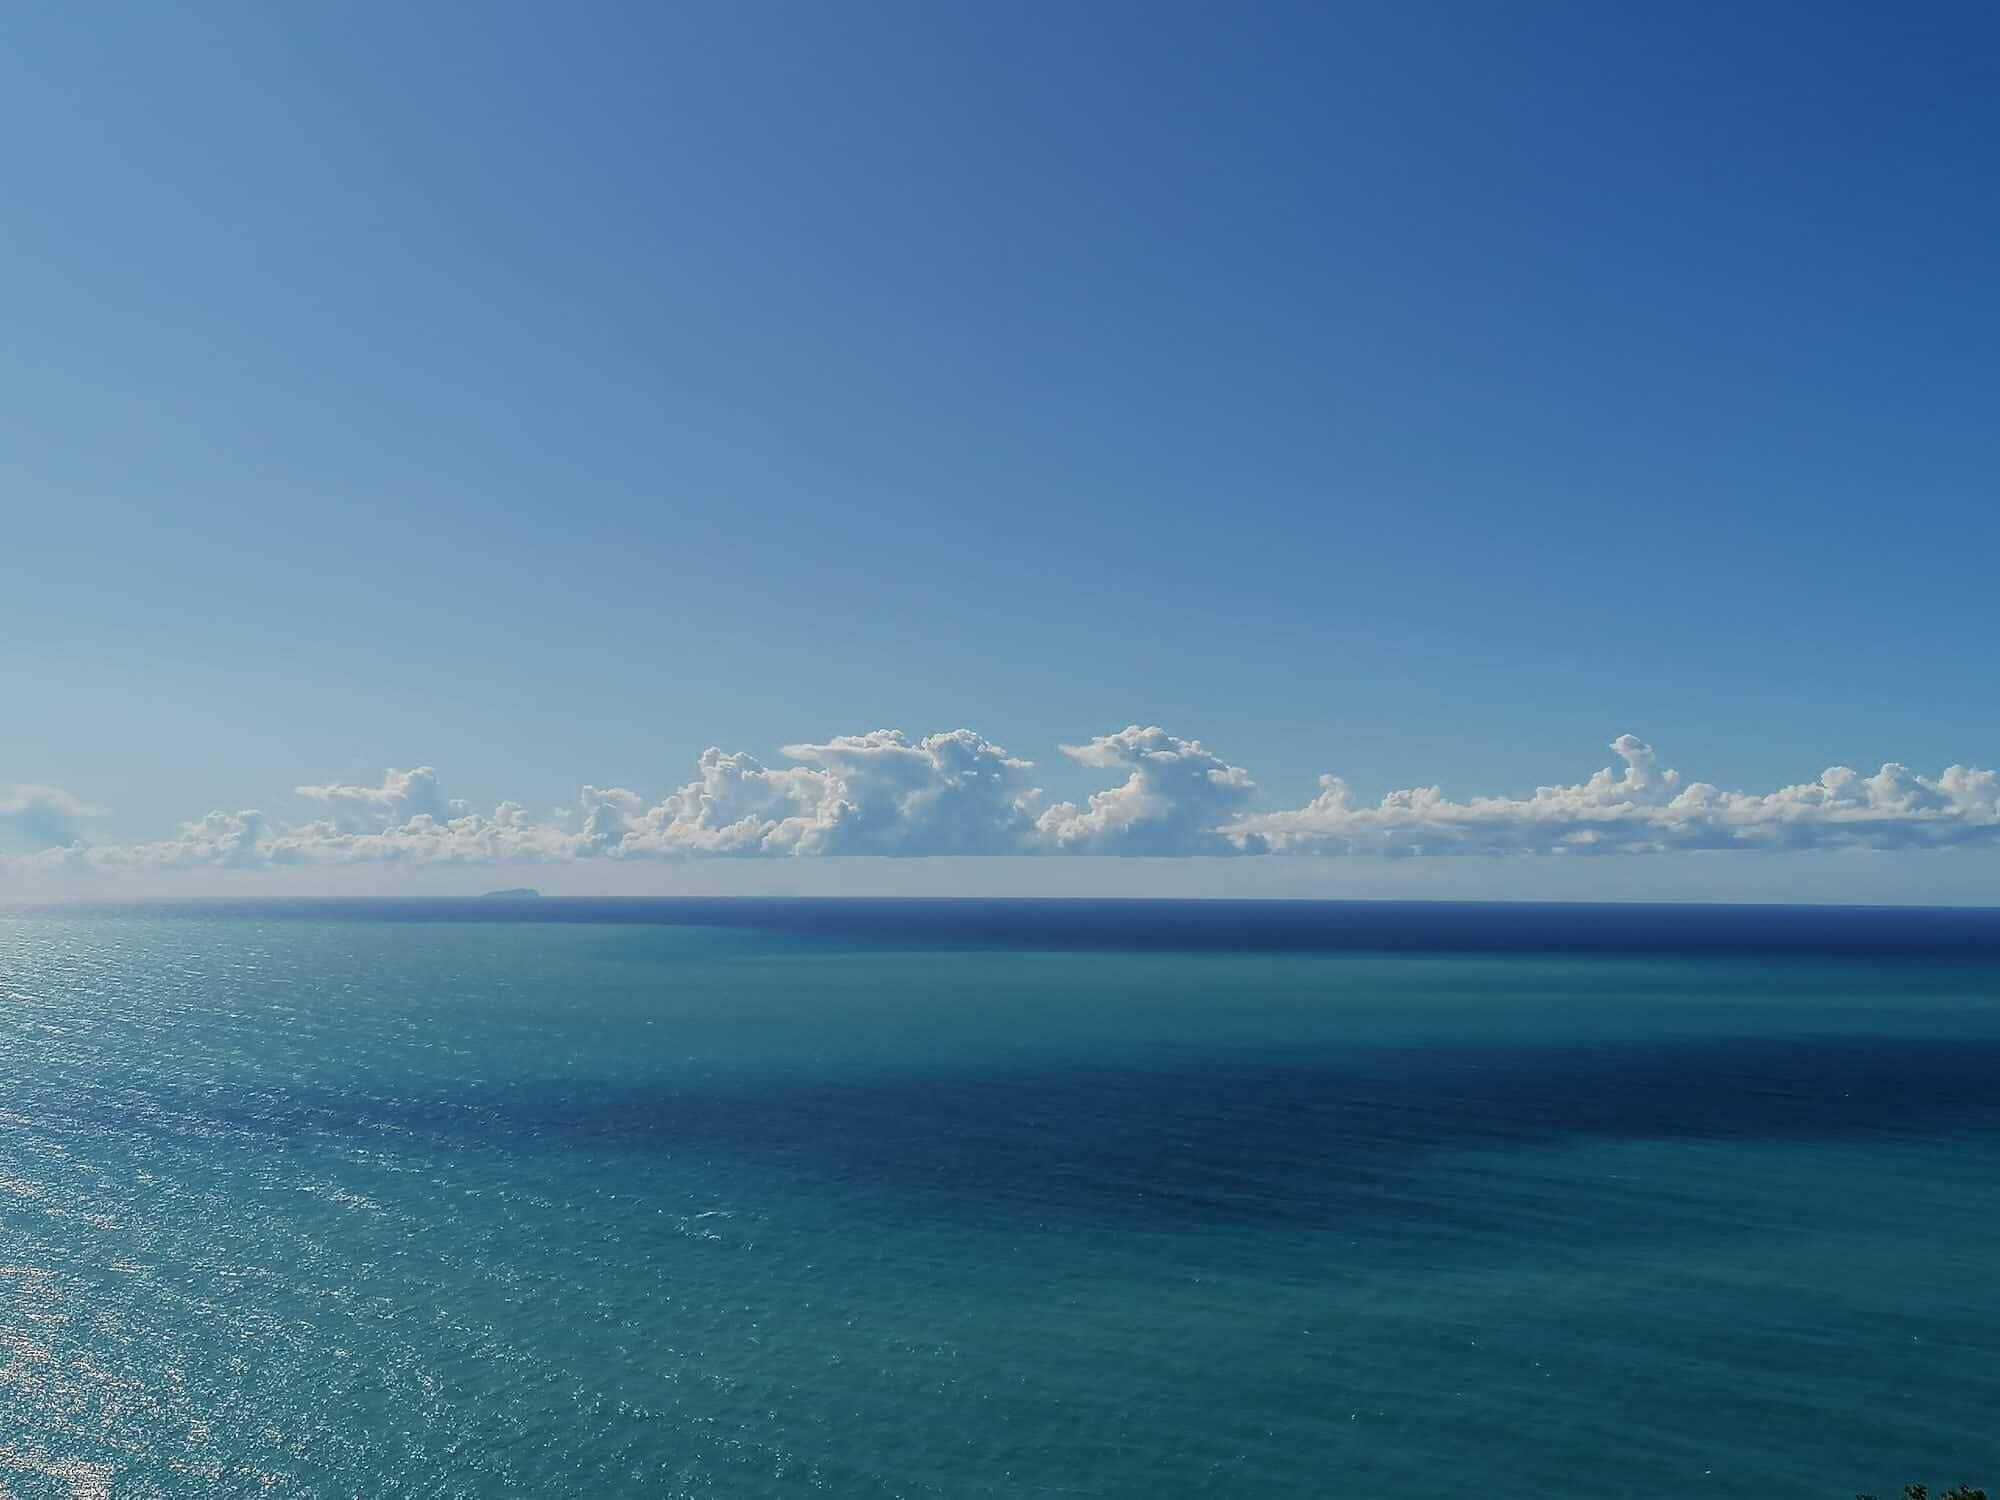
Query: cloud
x=40, y=817
x=401, y=796
x=395, y=823
x=1177, y=799
x=876, y=793
x=239, y=840
x=1645, y=809
x=956, y=793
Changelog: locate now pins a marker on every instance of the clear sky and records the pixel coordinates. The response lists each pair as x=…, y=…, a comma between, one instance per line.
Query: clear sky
x=1419, y=394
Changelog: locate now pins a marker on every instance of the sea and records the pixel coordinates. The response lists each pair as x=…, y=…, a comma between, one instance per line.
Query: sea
x=522, y=1197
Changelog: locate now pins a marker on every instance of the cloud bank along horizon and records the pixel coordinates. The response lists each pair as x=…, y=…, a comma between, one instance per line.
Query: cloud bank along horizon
x=957, y=793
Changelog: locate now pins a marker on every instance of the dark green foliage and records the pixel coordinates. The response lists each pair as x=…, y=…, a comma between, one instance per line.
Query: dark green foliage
x=1923, y=1492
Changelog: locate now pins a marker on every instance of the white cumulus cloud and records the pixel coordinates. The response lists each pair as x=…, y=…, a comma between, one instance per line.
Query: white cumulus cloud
x=877, y=793
x=401, y=796
x=1644, y=809
x=221, y=840
x=957, y=793
x=1177, y=799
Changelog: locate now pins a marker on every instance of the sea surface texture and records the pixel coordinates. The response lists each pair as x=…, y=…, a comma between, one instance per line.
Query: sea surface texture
x=1003, y=1199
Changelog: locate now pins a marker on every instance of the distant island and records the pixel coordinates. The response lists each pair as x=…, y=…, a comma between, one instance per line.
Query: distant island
x=513, y=893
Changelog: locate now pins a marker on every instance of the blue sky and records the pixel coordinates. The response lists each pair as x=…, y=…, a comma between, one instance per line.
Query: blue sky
x=1422, y=395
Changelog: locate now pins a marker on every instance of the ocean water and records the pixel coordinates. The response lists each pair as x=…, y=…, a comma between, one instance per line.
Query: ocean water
x=998, y=1199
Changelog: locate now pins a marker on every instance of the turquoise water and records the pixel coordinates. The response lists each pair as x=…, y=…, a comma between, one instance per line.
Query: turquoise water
x=297, y=1204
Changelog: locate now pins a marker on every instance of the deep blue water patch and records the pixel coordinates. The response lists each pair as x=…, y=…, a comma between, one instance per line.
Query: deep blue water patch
x=1206, y=926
